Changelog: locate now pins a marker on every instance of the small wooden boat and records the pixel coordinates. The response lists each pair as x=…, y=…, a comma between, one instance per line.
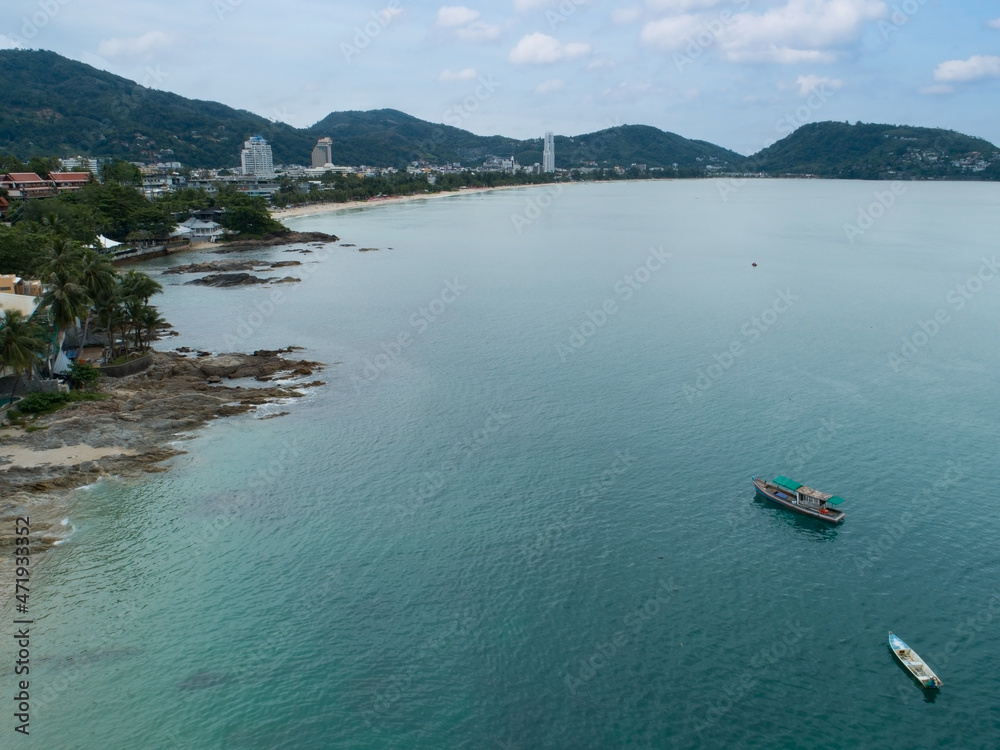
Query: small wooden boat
x=801, y=499
x=913, y=663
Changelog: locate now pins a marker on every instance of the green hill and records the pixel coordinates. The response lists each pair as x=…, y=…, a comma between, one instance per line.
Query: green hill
x=868, y=151
x=56, y=106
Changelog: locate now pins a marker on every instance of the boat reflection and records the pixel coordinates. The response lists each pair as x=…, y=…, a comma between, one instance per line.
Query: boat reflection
x=821, y=530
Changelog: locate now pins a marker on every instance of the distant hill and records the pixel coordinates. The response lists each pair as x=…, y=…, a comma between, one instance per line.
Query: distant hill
x=53, y=106
x=867, y=151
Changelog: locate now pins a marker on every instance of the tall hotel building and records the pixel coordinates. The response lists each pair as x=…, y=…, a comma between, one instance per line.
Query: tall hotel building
x=257, y=159
x=549, y=154
x=323, y=153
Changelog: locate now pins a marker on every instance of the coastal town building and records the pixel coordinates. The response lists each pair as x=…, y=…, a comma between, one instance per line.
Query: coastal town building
x=23, y=185
x=69, y=181
x=19, y=294
x=322, y=154
x=257, y=159
x=549, y=153
x=198, y=230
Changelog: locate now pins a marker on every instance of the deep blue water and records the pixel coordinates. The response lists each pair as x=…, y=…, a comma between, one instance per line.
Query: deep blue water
x=531, y=524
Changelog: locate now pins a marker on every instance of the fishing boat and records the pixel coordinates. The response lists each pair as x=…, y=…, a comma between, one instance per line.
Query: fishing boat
x=805, y=500
x=913, y=663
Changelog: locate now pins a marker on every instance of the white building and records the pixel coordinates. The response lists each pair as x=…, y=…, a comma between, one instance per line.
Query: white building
x=549, y=154
x=257, y=158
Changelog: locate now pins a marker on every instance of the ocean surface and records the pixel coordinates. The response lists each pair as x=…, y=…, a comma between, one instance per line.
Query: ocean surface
x=519, y=513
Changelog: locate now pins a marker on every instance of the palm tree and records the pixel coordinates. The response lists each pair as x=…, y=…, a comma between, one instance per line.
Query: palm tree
x=63, y=257
x=20, y=345
x=98, y=277
x=66, y=301
x=139, y=285
x=150, y=320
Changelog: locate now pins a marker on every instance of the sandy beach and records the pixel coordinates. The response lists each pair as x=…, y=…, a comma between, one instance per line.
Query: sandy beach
x=322, y=208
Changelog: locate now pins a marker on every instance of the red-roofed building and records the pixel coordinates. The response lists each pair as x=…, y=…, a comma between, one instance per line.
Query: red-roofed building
x=68, y=181
x=4, y=208
x=27, y=185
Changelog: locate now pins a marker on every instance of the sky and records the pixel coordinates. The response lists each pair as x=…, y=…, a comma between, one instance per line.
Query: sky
x=739, y=73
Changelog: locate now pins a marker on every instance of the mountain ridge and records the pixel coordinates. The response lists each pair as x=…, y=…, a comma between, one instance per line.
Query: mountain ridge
x=55, y=106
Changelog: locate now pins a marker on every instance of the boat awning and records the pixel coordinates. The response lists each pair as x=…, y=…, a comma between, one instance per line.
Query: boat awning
x=835, y=500
x=788, y=484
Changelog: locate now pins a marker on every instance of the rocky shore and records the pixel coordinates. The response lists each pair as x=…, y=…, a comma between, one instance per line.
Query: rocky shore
x=129, y=433
x=274, y=239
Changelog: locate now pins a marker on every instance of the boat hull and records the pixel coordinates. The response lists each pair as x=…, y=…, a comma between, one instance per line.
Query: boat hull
x=913, y=664
x=763, y=491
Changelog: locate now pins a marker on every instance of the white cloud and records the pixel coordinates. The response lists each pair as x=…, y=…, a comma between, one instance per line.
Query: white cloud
x=548, y=87
x=937, y=90
x=808, y=84
x=463, y=75
x=133, y=46
x=677, y=6
x=601, y=62
x=450, y=16
x=478, y=32
x=671, y=34
x=525, y=5
x=976, y=67
x=798, y=31
x=994, y=24
x=540, y=48
x=626, y=15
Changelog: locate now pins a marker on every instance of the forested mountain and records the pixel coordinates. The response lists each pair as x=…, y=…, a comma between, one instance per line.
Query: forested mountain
x=867, y=151
x=54, y=106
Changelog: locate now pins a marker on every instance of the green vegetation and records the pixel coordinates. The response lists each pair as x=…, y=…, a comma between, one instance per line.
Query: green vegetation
x=872, y=152
x=83, y=376
x=247, y=215
x=79, y=285
x=46, y=403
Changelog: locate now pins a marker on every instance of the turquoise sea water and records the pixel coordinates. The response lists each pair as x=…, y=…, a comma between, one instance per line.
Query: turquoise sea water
x=531, y=523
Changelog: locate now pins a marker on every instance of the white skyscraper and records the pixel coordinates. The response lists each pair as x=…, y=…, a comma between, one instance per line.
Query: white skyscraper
x=549, y=154
x=257, y=159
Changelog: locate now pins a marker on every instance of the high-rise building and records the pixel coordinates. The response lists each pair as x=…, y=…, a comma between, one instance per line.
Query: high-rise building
x=257, y=159
x=549, y=154
x=323, y=153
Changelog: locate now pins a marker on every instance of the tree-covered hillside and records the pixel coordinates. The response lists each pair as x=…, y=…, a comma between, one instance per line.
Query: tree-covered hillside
x=868, y=151
x=56, y=106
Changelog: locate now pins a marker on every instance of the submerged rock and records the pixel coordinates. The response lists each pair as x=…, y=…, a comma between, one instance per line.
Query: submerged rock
x=230, y=279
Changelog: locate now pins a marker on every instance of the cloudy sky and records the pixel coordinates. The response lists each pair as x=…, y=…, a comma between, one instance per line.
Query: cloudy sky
x=740, y=73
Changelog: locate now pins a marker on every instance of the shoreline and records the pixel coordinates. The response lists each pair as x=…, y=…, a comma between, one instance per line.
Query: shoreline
x=313, y=209
x=130, y=433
